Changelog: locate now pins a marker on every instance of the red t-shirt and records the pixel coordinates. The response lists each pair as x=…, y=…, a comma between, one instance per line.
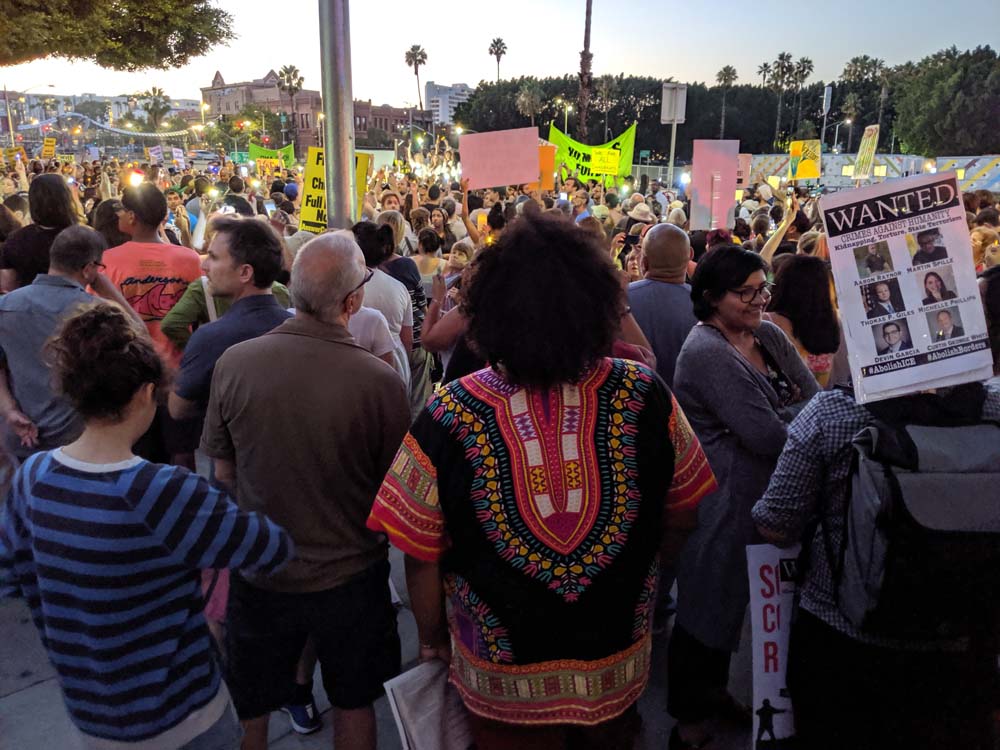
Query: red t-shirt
x=153, y=277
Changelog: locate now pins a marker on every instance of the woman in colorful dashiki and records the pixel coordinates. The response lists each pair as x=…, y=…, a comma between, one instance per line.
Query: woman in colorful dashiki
x=740, y=381
x=536, y=495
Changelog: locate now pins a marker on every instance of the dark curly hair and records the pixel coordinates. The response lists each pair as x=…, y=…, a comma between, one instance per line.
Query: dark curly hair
x=723, y=268
x=551, y=325
x=100, y=358
x=376, y=242
x=802, y=294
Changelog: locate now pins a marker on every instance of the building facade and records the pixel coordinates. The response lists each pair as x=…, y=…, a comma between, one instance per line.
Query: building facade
x=442, y=100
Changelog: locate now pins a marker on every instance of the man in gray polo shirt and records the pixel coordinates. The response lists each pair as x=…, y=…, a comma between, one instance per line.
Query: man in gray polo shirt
x=37, y=418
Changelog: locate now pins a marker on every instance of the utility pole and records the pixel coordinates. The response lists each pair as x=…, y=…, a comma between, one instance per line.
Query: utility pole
x=10, y=120
x=338, y=105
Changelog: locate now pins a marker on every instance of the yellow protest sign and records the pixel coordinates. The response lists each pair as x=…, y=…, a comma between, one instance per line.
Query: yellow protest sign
x=866, y=154
x=804, y=161
x=312, y=213
x=604, y=161
x=48, y=148
x=14, y=153
x=65, y=158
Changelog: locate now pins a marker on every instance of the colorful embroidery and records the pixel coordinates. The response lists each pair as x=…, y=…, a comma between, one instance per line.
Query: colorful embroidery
x=647, y=600
x=565, y=691
x=475, y=625
x=407, y=505
x=552, y=514
x=693, y=477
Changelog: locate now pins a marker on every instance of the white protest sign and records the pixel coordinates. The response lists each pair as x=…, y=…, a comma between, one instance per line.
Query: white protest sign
x=178, y=154
x=714, y=169
x=156, y=154
x=906, y=285
x=772, y=573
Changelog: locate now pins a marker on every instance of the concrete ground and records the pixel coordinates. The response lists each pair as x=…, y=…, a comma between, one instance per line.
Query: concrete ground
x=32, y=715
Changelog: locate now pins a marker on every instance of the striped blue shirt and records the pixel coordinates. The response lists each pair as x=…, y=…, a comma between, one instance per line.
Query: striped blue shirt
x=108, y=559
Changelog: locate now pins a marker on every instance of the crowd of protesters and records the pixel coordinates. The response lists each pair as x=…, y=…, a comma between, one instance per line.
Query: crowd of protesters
x=556, y=404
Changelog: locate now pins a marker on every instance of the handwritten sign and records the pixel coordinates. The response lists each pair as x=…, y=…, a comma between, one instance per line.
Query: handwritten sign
x=804, y=160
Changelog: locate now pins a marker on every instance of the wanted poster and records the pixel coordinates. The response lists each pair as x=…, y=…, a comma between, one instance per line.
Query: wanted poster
x=906, y=285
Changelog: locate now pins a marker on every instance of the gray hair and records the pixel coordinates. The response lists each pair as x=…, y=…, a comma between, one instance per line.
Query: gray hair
x=395, y=220
x=325, y=271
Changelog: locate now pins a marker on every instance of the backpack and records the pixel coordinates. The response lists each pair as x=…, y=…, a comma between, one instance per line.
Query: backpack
x=920, y=553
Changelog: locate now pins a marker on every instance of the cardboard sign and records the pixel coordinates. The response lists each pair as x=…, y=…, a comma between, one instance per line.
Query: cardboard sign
x=866, y=154
x=804, y=162
x=906, y=285
x=604, y=161
x=713, y=183
x=48, y=148
x=501, y=157
x=743, y=169
x=772, y=573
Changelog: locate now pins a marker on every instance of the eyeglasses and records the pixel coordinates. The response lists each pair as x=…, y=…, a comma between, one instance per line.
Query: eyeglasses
x=100, y=266
x=368, y=277
x=747, y=296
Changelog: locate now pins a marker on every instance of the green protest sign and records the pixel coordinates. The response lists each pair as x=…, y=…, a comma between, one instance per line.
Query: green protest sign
x=285, y=153
x=579, y=156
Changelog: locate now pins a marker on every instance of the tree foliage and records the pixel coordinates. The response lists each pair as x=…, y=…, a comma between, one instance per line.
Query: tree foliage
x=415, y=57
x=498, y=48
x=120, y=34
x=948, y=103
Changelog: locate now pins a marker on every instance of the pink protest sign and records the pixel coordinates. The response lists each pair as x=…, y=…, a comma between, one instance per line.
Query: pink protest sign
x=502, y=157
x=713, y=184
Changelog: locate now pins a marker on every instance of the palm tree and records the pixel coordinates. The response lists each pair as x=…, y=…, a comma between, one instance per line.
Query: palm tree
x=764, y=71
x=155, y=104
x=607, y=87
x=290, y=81
x=498, y=49
x=725, y=78
x=781, y=74
x=529, y=99
x=415, y=57
x=803, y=69
x=586, y=79
x=850, y=109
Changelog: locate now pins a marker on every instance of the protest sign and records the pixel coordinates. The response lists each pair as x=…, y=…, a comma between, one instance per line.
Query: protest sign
x=743, y=169
x=866, y=154
x=178, y=157
x=267, y=168
x=500, y=157
x=285, y=153
x=804, y=161
x=772, y=573
x=156, y=154
x=605, y=161
x=578, y=156
x=906, y=284
x=547, y=166
x=713, y=183
x=312, y=213
x=65, y=158
x=48, y=148
x=13, y=154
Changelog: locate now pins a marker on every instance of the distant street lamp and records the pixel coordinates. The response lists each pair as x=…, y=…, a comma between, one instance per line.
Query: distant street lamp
x=567, y=108
x=836, y=134
x=204, y=108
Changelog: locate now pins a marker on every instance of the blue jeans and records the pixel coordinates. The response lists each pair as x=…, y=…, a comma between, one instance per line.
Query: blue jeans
x=225, y=734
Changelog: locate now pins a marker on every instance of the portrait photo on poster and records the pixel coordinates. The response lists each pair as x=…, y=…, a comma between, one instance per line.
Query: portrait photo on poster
x=892, y=337
x=937, y=285
x=873, y=259
x=926, y=246
x=882, y=298
x=945, y=324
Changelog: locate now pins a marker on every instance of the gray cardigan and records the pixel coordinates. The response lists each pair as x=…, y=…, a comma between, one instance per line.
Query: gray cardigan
x=742, y=428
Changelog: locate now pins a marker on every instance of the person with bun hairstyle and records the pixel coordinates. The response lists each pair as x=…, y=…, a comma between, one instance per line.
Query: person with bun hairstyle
x=107, y=549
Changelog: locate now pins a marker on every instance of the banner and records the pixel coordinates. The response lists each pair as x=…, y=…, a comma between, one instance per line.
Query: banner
x=500, y=157
x=285, y=153
x=804, y=162
x=866, y=154
x=713, y=183
x=578, y=156
x=906, y=284
x=312, y=212
x=48, y=148
x=772, y=573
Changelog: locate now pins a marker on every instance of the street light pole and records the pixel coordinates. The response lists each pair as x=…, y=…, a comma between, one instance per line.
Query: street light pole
x=10, y=120
x=338, y=105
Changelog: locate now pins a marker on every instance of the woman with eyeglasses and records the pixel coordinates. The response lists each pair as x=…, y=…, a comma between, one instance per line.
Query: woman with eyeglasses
x=740, y=381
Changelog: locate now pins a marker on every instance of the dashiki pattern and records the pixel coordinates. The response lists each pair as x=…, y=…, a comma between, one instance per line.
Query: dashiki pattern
x=546, y=510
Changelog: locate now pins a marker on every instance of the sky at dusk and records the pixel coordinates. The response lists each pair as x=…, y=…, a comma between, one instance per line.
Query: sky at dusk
x=689, y=41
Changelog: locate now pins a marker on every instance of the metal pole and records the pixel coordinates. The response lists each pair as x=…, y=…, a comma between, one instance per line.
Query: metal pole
x=338, y=106
x=836, y=136
x=822, y=134
x=673, y=144
x=10, y=120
